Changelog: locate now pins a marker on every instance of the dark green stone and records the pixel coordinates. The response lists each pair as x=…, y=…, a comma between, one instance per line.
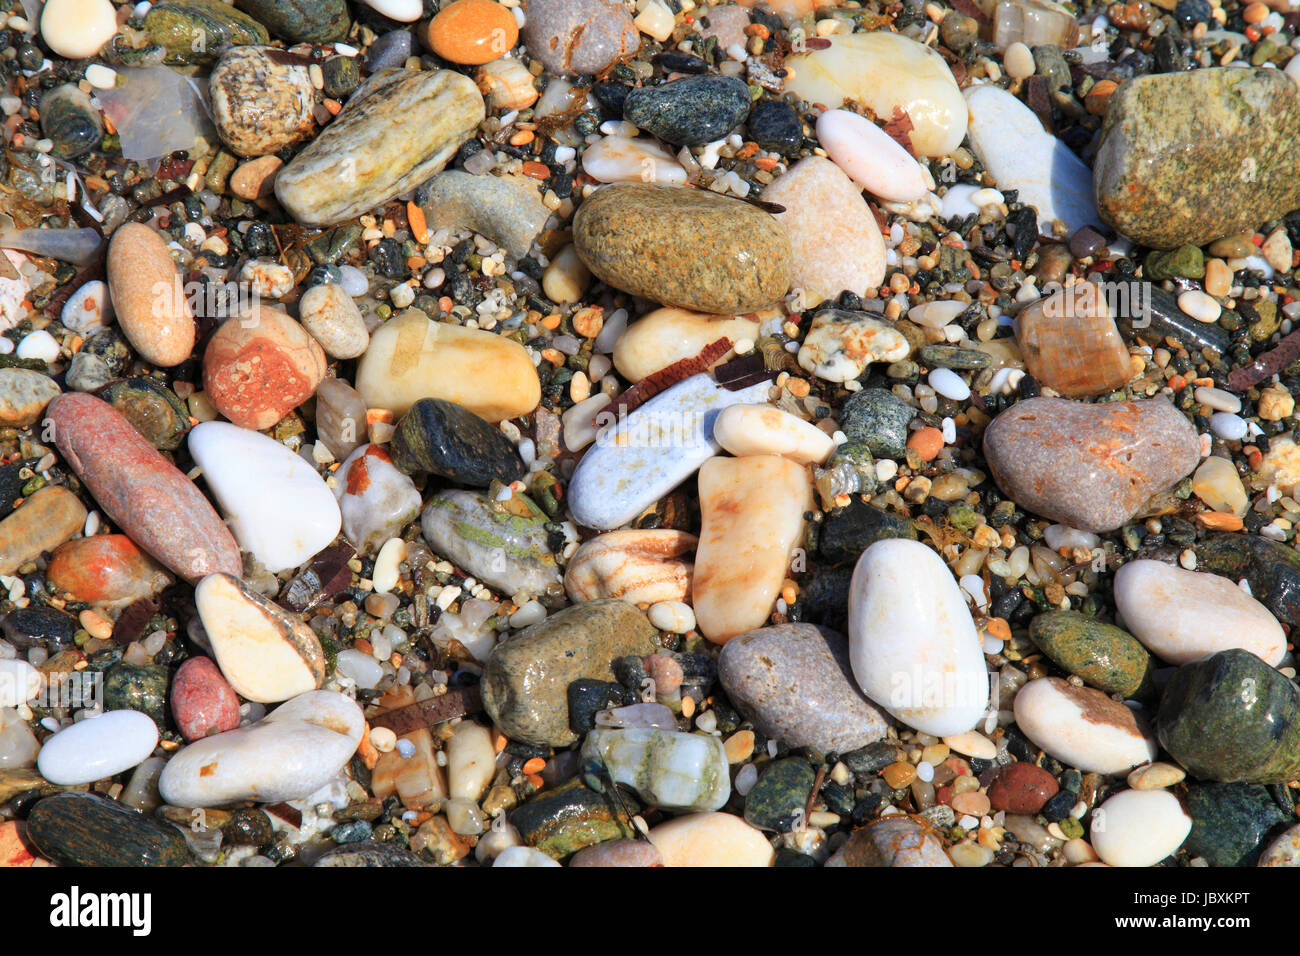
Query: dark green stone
x=824, y=597
x=442, y=438
x=1187, y=262
x=31, y=364
x=1270, y=568
x=330, y=247
x=562, y=821
x=1103, y=655
x=1269, y=320
x=780, y=795
x=153, y=408
x=342, y=75
x=949, y=356
x=196, y=32
x=847, y=532
x=776, y=127
x=1232, y=718
x=301, y=21
x=369, y=853
x=880, y=418
x=141, y=687
x=689, y=111
x=248, y=827
x=70, y=122
x=793, y=858
x=1231, y=822
x=85, y=829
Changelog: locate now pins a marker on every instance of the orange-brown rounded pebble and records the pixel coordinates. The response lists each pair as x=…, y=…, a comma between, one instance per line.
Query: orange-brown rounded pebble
x=148, y=295
x=260, y=366
x=926, y=442
x=472, y=32
x=106, y=569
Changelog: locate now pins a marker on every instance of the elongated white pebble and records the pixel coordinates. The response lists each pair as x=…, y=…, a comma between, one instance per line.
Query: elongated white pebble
x=1199, y=306
x=949, y=384
x=870, y=157
x=97, y=747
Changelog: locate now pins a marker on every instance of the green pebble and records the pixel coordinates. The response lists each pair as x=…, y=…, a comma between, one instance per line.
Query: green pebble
x=1104, y=656
x=1187, y=262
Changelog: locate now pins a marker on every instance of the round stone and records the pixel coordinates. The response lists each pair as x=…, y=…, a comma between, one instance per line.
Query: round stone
x=202, y=700
x=260, y=366
x=1022, y=788
x=472, y=32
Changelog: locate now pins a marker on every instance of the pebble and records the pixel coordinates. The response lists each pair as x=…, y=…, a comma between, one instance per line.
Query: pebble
x=675, y=617
x=651, y=451
x=148, y=298
x=87, y=829
x=577, y=37
x=523, y=856
x=840, y=345
x=639, y=567
x=76, y=29
x=506, y=211
x=645, y=239
x=775, y=126
x=880, y=419
x=97, y=747
x=291, y=753
x=504, y=550
x=752, y=515
x=260, y=366
x=471, y=761
x=618, y=853
x=356, y=163
x=891, y=842
x=1156, y=776
x=835, y=243
x=260, y=104
x=764, y=430
x=318, y=22
x=618, y=159
x=1021, y=787
x=442, y=438
x=666, y=336
x=913, y=645
x=411, y=357
x=506, y=84
x=1139, y=827
x=1071, y=344
x=1199, y=306
x=885, y=71
x=566, y=278
x=87, y=309
x=667, y=769
x=71, y=122
x=1102, y=655
x=472, y=32
x=334, y=321
x=202, y=700
x=340, y=417
x=24, y=395
x=710, y=839
x=106, y=570
x=1182, y=616
x=869, y=157
x=690, y=111
x=266, y=653
x=255, y=179
x=1091, y=467
x=1230, y=822
x=949, y=384
x=41, y=523
x=19, y=682
x=1082, y=727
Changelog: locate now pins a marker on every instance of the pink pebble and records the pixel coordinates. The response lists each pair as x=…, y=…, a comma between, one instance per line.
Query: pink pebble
x=203, y=702
x=870, y=157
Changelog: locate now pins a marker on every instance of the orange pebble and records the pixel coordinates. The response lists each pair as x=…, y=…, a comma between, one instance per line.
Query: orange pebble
x=1219, y=521
x=472, y=32
x=536, y=170
x=1095, y=101
x=926, y=442
x=419, y=227
x=1254, y=12
x=534, y=765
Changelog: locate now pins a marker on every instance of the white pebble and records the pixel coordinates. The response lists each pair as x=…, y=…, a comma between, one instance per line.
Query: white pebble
x=1228, y=426
x=1200, y=306
x=100, y=76
x=676, y=617
x=1217, y=399
x=935, y=315
x=949, y=384
x=354, y=281
x=924, y=771
x=1060, y=536
x=38, y=345
x=386, y=563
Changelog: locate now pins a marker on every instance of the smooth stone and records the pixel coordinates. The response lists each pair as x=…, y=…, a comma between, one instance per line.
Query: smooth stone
x=148, y=298
x=390, y=50
x=362, y=669
x=1270, y=568
x=1284, y=850
x=651, y=451
x=523, y=856
x=137, y=687
x=794, y=681
x=1022, y=787
x=198, y=31
x=835, y=243
x=1230, y=717
x=912, y=643
x=1217, y=483
x=202, y=700
x=579, y=37
x=666, y=336
x=334, y=321
x=1231, y=822
x=291, y=753
x=1071, y=344
x=1091, y=467
x=765, y=430
x=564, y=819
x=153, y=408
x=689, y=111
x=778, y=799
x=1181, y=615
x=340, y=417
x=751, y=517
x=41, y=523
x=617, y=159
x=618, y=853
x=19, y=682
x=301, y=21
x=38, y=626
x=88, y=308
x=87, y=829
x=646, y=239
x=260, y=366
x=1139, y=827
x=1101, y=655
x=89, y=750
x=870, y=157
x=775, y=126
x=18, y=749
x=1156, y=776
x=525, y=681
x=442, y=438
x=639, y=567
x=1167, y=177
x=886, y=71
x=847, y=532
x=260, y=104
x=1013, y=146
x=507, y=211
x=70, y=121
x=76, y=29
x=711, y=839
x=470, y=32
x=376, y=500
x=471, y=761
x=504, y=550
x=411, y=357
x=356, y=163
x=879, y=418
x=667, y=769
x=368, y=853
x=890, y=842
x=839, y=345
x=23, y=396
x=255, y=179
x=1082, y=727
x=266, y=653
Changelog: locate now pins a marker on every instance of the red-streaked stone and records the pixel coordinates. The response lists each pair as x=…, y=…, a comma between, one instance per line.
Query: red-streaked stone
x=259, y=367
x=203, y=701
x=107, y=569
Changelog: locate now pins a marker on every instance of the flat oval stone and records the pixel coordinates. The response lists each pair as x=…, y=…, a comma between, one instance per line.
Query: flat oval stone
x=260, y=366
x=266, y=653
x=1182, y=615
x=637, y=566
x=1231, y=717
x=576, y=37
x=617, y=159
x=292, y=752
x=86, y=829
x=41, y=523
x=1022, y=788
x=912, y=643
x=689, y=111
x=618, y=853
x=1082, y=727
x=445, y=439
x=795, y=683
x=765, y=430
x=202, y=700
x=711, y=839
x=665, y=336
x=893, y=841
x=692, y=249
x=1071, y=344
x=411, y=357
x=148, y=296
x=340, y=417
x=106, y=570
x=1167, y=177
x=667, y=769
x=835, y=243
x=276, y=505
x=376, y=500
x=198, y=31
x=1102, y=655
x=525, y=682
x=1091, y=467
x=885, y=71
x=1139, y=827
x=751, y=517
x=870, y=157
x=472, y=32
x=334, y=321
x=260, y=104
x=356, y=163
x=89, y=750
x=505, y=551
x=651, y=451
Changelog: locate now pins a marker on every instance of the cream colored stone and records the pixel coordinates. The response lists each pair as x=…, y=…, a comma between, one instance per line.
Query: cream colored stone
x=711, y=839
x=1218, y=278
x=840, y=345
x=471, y=761
x=1139, y=827
x=1156, y=776
x=1082, y=727
x=640, y=567
x=1275, y=403
x=764, y=430
x=566, y=278
x=1217, y=483
x=148, y=296
x=669, y=335
x=333, y=319
x=1281, y=464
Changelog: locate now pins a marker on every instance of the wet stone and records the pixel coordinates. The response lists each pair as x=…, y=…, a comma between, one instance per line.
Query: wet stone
x=847, y=532
x=1231, y=822
x=141, y=687
x=880, y=418
x=152, y=408
x=197, y=31
x=1022, y=788
x=571, y=817
x=778, y=799
x=312, y=21
x=86, y=829
x=572, y=37
x=689, y=111
x=368, y=853
x=38, y=626
x=1103, y=655
x=775, y=126
x=442, y=438
x=503, y=550
x=1270, y=568
x=70, y=121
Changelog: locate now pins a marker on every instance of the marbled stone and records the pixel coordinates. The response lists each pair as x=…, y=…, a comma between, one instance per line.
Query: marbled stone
x=665, y=336
x=1082, y=727
x=896, y=841
x=260, y=104
x=1102, y=655
x=637, y=566
x=507, y=211
x=87, y=829
x=1070, y=342
x=1231, y=822
x=376, y=500
x=839, y=345
x=667, y=769
x=153, y=408
x=504, y=550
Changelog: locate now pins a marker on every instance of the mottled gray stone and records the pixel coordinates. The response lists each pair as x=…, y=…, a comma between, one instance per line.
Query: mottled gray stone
x=572, y=37
x=503, y=550
x=509, y=213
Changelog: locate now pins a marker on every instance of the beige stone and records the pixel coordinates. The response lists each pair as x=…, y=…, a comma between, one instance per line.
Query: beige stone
x=711, y=839
x=43, y=522
x=334, y=321
x=255, y=179
x=148, y=296
x=640, y=567
x=1275, y=403
x=1217, y=483
x=669, y=335
x=764, y=430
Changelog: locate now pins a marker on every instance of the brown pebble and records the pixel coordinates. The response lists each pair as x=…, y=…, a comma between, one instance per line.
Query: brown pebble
x=1022, y=788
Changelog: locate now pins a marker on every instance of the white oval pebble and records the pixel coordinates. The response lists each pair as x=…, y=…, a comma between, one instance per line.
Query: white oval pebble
x=1200, y=306
x=97, y=747
x=972, y=744
x=386, y=575
x=958, y=203
x=87, y=308
x=354, y=281
x=1060, y=536
x=949, y=384
x=38, y=345
x=403, y=11
x=19, y=683
x=1228, y=426
x=618, y=159
x=1019, y=61
x=935, y=315
x=76, y=29
x=523, y=856
x=1218, y=399
x=870, y=157
x=1139, y=827
x=361, y=668
x=1053, y=716
x=676, y=617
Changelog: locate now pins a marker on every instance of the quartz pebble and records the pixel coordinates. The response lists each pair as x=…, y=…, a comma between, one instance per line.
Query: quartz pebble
x=98, y=747
x=1155, y=776
x=1082, y=727
x=618, y=159
x=667, y=769
x=334, y=321
x=869, y=157
x=19, y=682
x=640, y=567
x=375, y=500
x=1139, y=827
x=470, y=761
x=618, y=853
x=107, y=570
x=665, y=336
x=840, y=345
x=76, y=29
x=764, y=430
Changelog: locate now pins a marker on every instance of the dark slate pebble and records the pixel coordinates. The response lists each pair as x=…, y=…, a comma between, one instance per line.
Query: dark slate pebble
x=775, y=126
x=141, y=687
x=389, y=51
x=369, y=853
x=1191, y=12
x=1231, y=822
x=950, y=356
x=780, y=795
x=587, y=697
x=85, y=829
x=248, y=827
x=341, y=75
x=298, y=21
x=880, y=418
x=690, y=111
x=793, y=858
x=870, y=759
x=29, y=626
x=11, y=487
x=847, y=532
x=611, y=97
x=442, y=438
x=1057, y=808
